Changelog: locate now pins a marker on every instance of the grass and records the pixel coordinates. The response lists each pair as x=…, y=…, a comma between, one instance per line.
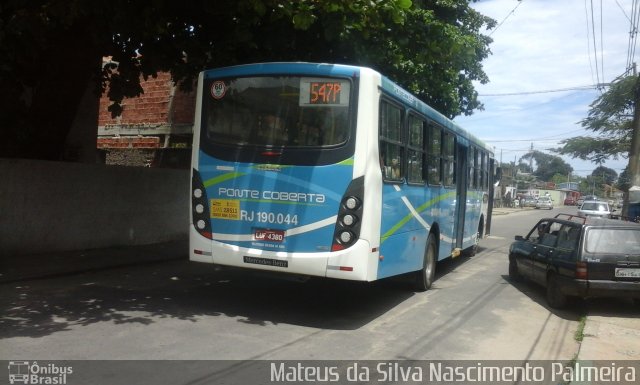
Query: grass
x=579, y=334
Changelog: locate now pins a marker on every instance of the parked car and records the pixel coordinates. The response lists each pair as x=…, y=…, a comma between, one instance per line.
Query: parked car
x=582, y=257
x=544, y=203
x=569, y=201
x=595, y=209
x=528, y=201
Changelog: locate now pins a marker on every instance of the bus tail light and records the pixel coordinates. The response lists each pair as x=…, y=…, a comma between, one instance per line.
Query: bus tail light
x=200, y=206
x=347, y=230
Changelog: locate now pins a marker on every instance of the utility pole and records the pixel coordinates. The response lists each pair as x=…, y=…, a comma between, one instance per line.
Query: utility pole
x=633, y=207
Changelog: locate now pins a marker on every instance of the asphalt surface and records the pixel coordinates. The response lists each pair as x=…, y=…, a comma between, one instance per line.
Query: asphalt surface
x=604, y=337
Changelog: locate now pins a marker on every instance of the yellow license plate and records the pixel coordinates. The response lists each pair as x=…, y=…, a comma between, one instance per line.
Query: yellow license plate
x=225, y=209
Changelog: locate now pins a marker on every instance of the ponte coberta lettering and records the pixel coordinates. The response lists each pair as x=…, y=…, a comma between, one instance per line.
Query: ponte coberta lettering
x=284, y=196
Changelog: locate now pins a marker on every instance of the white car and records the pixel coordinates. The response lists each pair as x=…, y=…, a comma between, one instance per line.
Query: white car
x=544, y=203
x=595, y=209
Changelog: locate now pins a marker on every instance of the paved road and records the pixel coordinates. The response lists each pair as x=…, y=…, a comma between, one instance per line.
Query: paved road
x=175, y=309
x=156, y=305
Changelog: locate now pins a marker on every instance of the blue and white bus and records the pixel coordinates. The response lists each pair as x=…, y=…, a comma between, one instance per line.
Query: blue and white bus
x=331, y=171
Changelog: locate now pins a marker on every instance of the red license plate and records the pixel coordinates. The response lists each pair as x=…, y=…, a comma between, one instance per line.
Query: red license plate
x=268, y=235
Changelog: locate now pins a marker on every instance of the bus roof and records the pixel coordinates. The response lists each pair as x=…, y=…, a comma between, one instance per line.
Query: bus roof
x=286, y=68
x=326, y=69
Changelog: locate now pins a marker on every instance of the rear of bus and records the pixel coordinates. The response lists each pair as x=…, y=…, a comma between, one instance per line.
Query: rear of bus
x=273, y=180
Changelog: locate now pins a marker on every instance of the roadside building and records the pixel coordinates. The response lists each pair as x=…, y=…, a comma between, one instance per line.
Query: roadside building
x=154, y=130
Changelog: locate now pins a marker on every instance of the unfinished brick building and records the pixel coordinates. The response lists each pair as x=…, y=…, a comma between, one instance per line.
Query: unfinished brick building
x=154, y=130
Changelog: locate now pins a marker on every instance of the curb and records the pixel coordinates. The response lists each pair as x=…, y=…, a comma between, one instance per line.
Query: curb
x=610, y=338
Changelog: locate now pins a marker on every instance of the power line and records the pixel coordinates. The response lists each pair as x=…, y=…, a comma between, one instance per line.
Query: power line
x=595, y=50
x=506, y=17
x=543, y=139
x=633, y=33
x=577, y=88
x=601, y=42
x=586, y=15
x=623, y=12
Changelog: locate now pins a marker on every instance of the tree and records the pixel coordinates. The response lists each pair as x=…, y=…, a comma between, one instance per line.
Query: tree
x=605, y=175
x=610, y=117
x=524, y=167
x=624, y=180
x=52, y=51
x=558, y=178
x=547, y=165
x=598, y=179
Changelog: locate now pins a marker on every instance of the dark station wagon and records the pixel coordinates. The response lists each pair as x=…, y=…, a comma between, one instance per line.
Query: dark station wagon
x=573, y=256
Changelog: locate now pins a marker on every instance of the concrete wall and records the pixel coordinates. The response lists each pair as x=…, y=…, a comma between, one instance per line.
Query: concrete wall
x=55, y=206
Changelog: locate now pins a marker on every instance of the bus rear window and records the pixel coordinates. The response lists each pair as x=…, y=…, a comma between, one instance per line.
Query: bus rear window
x=289, y=111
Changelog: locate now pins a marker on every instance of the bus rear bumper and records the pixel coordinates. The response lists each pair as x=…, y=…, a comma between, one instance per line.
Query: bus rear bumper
x=355, y=263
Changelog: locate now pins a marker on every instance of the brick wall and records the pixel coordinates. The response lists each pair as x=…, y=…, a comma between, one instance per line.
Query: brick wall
x=161, y=118
x=184, y=106
x=161, y=103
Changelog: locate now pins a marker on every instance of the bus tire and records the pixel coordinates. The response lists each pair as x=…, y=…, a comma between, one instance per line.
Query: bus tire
x=425, y=277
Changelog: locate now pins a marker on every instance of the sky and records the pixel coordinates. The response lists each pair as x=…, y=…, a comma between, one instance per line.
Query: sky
x=541, y=46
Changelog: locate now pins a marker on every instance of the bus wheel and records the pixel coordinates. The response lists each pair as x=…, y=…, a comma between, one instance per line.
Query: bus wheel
x=424, y=277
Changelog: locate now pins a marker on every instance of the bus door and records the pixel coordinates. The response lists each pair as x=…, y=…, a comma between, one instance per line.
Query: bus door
x=461, y=196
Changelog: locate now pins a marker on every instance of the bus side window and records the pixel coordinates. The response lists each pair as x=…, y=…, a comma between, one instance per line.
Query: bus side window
x=448, y=159
x=415, y=150
x=434, y=154
x=391, y=148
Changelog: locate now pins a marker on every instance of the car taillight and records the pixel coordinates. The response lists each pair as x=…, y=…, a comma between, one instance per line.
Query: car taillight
x=581, y=270
x=200, y=206
x=347, y=230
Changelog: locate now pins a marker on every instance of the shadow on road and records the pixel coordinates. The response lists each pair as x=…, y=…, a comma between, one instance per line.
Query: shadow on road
x=145, y=293
x=191, y=292
x=576, y=308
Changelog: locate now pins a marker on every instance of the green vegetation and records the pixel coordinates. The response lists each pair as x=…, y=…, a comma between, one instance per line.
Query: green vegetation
x=52, y=51
x=579, y=334
x=610, y=118
x=547, y=165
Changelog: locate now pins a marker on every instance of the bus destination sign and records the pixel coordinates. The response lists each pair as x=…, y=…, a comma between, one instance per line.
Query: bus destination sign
x=324, y=92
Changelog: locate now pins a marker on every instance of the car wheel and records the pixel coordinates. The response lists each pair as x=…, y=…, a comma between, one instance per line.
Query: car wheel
x=555, y=297
x=514, y=274
x=424, y=277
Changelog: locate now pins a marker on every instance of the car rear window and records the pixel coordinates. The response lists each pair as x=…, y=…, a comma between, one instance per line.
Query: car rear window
x=613, y=241
x=594, y=206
